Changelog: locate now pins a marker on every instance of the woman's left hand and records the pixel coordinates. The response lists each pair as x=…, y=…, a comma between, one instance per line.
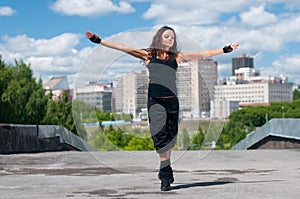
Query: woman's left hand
x=235, y=45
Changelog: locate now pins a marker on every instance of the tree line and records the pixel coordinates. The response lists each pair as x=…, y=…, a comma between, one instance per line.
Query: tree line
x=23, y=100
x=247, y=119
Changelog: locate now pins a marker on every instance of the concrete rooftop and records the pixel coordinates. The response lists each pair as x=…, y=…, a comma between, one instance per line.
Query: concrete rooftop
x=123, y=175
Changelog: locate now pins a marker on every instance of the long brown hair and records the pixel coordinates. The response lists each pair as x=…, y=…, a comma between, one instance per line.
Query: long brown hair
x=156, y=45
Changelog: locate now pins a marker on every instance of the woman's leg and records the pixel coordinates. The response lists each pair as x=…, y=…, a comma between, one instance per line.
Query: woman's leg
x=165, y=156
x=165, y=171
x=164, y=141
x=172, y=111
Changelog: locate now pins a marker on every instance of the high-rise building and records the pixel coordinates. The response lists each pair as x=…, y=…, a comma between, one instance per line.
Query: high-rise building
x=118, y=95
x=257, y=91
x=246, y=73
x=186, y=89
x=195, y=82
x=195, y=85
x=221, y=108
x=243, y=61
x=131, y=92
x=98, y=94
x=208, y=71
x=247, y=88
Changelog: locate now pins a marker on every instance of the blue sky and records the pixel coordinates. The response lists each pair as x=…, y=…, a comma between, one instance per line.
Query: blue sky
x=49, y=35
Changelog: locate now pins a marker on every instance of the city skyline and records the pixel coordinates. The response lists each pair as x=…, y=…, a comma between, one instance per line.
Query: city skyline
x=198, y=90
x=49, y=35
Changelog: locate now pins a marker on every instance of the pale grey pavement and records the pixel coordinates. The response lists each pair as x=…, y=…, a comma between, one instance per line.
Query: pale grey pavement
x=123, y=175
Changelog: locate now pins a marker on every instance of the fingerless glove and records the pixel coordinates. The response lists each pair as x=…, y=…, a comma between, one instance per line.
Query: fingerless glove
x=227, y=49
x=95, y=39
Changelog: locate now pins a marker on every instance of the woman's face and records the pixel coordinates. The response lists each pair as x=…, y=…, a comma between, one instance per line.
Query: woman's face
x=168, y=39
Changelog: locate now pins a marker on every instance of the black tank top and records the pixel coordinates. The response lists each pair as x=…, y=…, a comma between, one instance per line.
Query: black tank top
x=162, y=77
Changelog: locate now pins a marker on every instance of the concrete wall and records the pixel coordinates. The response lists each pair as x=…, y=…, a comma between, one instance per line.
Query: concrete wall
x=273, y=142
x=34, y=138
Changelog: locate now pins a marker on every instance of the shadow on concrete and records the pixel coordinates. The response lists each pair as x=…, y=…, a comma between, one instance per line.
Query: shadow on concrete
x=200, y=184
x=216, y=183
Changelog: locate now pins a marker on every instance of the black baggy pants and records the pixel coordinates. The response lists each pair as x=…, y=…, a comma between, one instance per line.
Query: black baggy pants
x=163, y=116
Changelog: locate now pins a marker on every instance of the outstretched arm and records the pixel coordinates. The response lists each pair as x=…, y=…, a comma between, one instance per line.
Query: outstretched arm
x=194, y=56
x=138, y=53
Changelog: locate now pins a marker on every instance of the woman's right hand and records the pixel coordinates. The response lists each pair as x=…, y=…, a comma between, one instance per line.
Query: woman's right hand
x=93, y=37
x=89, y=34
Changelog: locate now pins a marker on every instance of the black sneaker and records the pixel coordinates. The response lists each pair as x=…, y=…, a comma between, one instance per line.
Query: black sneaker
x=166, y=174
x=171, y=176
x=165, y=186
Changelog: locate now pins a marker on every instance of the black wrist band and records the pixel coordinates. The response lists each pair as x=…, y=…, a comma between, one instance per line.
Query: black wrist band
x=95, y=39
x=227, y=49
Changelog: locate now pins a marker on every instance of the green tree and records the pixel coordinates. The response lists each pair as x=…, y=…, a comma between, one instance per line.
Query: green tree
x=139, y=144
x=296, y=94
x=247, y=119
x=293, y=110
x=118, y=137
x=197, y=140
x=84, y=112
x=60, y=113
x=103, y=116
x=23, y=100
x=100, y=142
x=36, y=105
x=184, y=139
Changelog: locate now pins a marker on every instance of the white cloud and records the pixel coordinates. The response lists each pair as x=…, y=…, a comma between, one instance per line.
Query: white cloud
x=191, y=12
x=198, y=24
x=288, y=64
x=90, y=8
x=287, y=29
x=257, y=16
x=6, y=11
x=285, y=65
x=47, y=57
x=105, y=64
x=163, y=14
x=288, y=4
x=272, y=37
x=57, y=46
x=257, y=29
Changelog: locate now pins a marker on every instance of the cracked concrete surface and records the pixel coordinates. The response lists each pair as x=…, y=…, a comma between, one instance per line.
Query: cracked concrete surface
x=124, y=175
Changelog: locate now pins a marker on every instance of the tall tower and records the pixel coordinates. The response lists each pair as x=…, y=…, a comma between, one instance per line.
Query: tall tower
x=208, y=78
x=243, y=61
x=195, y=86
x=131, y=92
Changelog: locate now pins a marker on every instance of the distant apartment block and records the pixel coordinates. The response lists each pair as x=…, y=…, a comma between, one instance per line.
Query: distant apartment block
x=208, y=70
x=57, y=85
x=186, y=89
x=246, y=73
x=195, y=85
x=247, y=88
x=97, y=94
x=221, y=109
x=131, y=92
x=257, y=91
x=243, y=61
